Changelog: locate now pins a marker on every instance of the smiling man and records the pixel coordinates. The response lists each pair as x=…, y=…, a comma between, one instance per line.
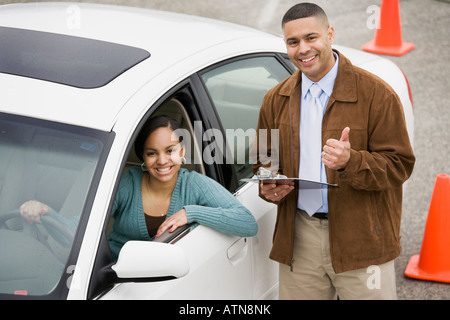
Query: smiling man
x=338, y=124
x=308, y=43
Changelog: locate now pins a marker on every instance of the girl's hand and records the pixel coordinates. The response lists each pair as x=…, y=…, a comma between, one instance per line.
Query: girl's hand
x=176, y=220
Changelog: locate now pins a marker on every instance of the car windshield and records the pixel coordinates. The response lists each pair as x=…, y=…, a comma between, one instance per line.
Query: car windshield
x=46, y=168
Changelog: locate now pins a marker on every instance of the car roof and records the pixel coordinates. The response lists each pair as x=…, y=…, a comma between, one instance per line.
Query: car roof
x=168, y=47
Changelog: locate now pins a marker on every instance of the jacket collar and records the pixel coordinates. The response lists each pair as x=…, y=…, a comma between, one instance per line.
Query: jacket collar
x=344, y=86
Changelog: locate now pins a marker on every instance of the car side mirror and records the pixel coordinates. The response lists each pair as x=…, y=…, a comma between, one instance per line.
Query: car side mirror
x=141, y=260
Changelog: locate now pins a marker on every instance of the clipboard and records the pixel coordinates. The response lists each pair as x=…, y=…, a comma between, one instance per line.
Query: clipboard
x=266, y=176
x=296, y=182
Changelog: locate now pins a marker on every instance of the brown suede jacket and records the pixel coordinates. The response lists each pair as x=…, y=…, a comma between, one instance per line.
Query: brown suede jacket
x=365, y=210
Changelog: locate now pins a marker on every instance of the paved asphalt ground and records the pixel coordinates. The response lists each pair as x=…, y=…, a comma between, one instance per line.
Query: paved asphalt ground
x=424, y=23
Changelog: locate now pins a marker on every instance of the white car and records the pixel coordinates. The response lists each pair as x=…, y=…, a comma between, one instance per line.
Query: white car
x=77, y=82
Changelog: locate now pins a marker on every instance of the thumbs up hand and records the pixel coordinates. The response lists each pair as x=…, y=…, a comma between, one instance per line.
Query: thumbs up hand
x=345, y=136
x=336, y=153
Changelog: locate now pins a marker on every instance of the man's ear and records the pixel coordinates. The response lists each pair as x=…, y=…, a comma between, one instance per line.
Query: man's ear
x=331, y=34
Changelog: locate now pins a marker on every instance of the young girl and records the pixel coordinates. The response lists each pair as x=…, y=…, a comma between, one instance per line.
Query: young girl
x=160, y=195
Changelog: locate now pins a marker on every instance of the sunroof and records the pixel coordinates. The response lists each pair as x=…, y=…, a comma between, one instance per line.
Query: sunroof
x=68, y=60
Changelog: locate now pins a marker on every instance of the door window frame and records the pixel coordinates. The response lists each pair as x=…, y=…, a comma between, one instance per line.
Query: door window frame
x=234, y=185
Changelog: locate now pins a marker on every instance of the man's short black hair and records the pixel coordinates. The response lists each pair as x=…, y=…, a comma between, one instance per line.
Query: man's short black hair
x=303, y=10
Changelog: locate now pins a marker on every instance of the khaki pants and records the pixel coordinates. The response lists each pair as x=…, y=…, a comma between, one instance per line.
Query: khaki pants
x=312, y=276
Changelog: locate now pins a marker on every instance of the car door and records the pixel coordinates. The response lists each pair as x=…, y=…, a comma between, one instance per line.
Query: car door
x=236, y=89
x=220, y=266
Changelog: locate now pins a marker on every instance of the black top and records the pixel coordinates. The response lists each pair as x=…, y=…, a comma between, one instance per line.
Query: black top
x=153, y=224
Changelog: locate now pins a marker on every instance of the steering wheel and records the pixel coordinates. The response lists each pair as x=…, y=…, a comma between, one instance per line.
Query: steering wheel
x=67, y=235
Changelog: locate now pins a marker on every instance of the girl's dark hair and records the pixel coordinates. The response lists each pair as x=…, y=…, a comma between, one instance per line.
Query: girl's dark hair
x=151, y=125
x=303, y=10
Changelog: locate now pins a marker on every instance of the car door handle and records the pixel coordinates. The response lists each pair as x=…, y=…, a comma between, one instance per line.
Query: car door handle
x=237, y=251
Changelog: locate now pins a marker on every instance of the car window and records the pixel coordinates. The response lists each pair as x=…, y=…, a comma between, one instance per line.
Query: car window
x=237, y=90
x=49, y=164
x=175, y=109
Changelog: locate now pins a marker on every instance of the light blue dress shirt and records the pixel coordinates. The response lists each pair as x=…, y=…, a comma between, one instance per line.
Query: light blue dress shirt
x=326, y=84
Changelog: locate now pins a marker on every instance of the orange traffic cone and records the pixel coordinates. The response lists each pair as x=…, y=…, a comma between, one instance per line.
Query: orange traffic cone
x=434, y=260
x=388, y=36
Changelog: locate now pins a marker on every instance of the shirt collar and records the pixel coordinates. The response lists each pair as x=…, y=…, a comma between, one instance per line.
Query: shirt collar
x=326, y=83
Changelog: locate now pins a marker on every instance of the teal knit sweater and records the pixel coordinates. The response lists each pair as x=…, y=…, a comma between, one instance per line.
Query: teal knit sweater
x=206, y=202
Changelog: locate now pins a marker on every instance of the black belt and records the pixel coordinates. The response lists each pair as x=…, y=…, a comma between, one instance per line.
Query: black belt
x=321, y=215
x=318, y=215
